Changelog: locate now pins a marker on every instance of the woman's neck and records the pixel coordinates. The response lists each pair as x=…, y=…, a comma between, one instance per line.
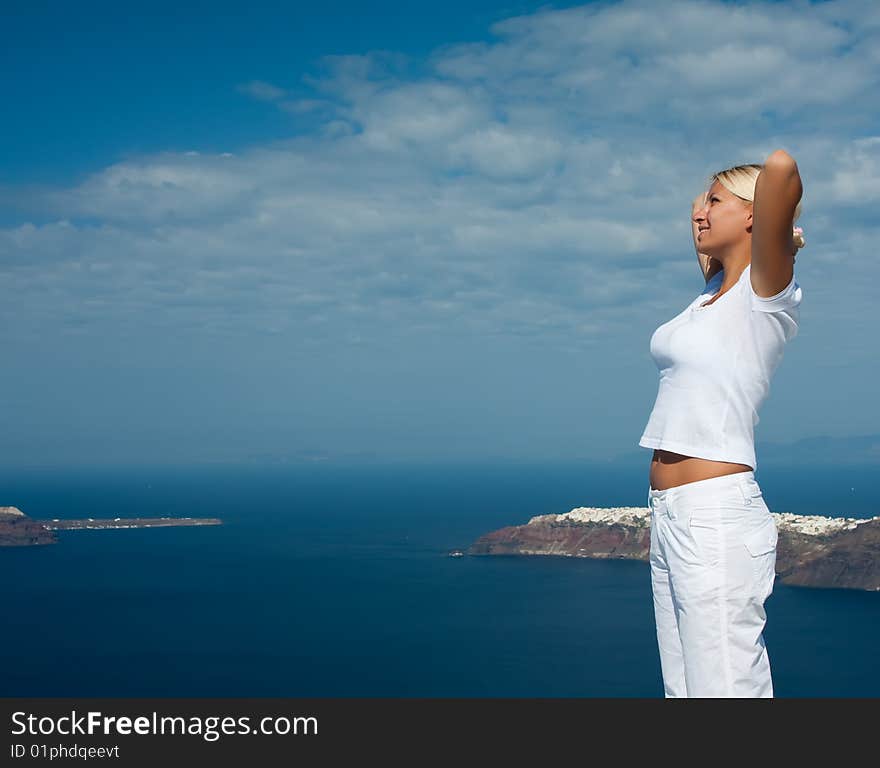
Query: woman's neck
x=731, y=273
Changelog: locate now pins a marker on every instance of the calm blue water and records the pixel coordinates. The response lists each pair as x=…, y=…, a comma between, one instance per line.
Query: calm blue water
x=335, y=582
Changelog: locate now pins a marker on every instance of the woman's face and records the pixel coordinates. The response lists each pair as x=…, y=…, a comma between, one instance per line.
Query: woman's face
x=723, y=219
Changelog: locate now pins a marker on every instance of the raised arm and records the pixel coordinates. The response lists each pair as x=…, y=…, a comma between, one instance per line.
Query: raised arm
x=778, y=191
x=708, y=266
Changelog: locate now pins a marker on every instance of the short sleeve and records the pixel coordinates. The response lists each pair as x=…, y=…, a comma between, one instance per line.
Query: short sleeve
x=788, y=298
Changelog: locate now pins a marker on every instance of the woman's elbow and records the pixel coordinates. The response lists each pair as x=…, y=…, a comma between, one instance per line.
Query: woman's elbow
x=781, y=160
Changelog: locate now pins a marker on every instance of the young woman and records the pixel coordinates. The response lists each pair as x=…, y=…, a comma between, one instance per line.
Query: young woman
x=713, y=539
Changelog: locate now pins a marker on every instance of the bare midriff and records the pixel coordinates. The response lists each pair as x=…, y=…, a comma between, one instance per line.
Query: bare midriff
x=670, y=469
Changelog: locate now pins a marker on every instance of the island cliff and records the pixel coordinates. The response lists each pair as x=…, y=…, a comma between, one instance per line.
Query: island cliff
x=18, y=530
x=812, y=551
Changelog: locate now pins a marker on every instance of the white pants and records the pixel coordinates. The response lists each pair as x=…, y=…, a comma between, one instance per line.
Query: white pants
x=713, y=564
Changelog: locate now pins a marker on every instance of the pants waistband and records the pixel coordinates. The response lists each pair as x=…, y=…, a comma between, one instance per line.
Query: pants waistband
x=741, y=484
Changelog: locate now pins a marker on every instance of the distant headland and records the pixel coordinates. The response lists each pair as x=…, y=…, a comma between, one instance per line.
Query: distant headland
x=812, y=551
x=19, y=530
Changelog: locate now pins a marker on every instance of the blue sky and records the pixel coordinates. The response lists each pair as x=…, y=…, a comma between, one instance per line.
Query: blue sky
x=408, y=232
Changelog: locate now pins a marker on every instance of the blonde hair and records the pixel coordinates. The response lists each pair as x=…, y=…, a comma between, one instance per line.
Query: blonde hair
x=740, y=180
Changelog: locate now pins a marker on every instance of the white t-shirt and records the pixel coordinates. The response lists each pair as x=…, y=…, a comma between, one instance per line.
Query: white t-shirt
x=715, y=365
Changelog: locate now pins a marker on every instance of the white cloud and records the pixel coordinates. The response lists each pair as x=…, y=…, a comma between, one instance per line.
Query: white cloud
x=500, y=153
x=855, y=177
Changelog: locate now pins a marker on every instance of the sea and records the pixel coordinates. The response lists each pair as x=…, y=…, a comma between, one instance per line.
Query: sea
x=329, y=580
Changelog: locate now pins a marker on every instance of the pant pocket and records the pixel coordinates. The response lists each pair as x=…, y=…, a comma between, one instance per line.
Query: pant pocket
x=705, y=536
x=762, y=539
x=761, y=545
